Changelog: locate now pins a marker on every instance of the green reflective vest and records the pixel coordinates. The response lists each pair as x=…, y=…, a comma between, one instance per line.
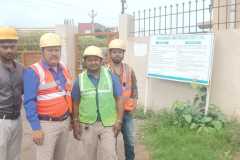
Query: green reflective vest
x=106, y=100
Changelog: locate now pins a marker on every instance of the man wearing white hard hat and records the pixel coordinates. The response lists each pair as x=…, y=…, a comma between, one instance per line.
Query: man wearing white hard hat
x=98, y=108
x=47, y=100
x=128, y=81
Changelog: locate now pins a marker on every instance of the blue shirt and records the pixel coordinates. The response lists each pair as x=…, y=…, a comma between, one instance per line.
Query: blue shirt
x=31, y=84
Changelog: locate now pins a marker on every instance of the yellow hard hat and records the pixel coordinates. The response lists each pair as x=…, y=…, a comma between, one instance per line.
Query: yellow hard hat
x=92, y=51
x=117, y=44
x=8, y=33
x=50, y=40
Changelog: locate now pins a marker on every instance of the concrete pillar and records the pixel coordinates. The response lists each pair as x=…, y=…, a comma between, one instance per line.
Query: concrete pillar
x=67, y=33
x=126, y=26
x=126, y=29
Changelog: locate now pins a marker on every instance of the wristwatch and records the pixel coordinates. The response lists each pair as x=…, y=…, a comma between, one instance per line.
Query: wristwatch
x=119, y=121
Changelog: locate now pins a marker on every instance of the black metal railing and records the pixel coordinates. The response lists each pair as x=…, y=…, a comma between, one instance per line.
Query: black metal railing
x=198, y=16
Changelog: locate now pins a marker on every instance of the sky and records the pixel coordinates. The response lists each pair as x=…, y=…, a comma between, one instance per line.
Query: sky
x=47, y=13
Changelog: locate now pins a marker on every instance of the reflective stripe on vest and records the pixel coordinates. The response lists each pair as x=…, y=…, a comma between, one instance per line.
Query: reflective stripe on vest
x=51, y=96
x=89, y=93
x=47, y=85
x=51, y=100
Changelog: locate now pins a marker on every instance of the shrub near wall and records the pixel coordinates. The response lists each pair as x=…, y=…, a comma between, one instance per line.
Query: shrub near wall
x=185, y=133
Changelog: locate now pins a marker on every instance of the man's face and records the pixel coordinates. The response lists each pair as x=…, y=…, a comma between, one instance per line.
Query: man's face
x=93, y=63
x=8, y=50
x=116, y=55
x=52, y=55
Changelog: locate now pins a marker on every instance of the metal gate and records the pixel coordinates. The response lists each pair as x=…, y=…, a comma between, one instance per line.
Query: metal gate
x=100, y=39
x=28, y=44
x=30, y=57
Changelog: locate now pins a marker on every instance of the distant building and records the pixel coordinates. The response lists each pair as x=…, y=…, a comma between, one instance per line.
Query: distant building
x=84, y=27
x=87, y=27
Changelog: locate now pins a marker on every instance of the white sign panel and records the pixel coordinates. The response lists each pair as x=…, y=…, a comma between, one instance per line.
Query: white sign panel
x=186, y=58
x=140, y=49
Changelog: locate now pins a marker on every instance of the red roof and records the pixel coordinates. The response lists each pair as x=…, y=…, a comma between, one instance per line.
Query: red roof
x=82, y=27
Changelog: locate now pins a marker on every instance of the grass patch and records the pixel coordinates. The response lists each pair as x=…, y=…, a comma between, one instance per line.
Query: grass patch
x=166, y=141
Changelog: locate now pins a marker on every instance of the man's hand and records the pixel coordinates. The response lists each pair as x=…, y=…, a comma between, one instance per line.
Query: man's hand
x=38, y=137
x=77, y=130
x=117, y=127
x=131, y=103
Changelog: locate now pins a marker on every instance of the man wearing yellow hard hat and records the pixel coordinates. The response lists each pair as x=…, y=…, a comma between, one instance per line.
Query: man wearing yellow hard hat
x=129, y=92
x=47, y=100
x=98, y=107
x=10, y=96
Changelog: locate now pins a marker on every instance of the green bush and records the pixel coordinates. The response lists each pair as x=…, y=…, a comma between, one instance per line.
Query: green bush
x=192, y=115
x=185, y=133
x=188, y=115
x=166, y=141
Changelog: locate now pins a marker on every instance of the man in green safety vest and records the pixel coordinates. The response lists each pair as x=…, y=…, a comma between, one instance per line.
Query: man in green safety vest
x=98, y=108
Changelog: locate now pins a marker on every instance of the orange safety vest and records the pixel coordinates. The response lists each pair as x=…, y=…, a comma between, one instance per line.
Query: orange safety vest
x=126, y=82
x=51, y=99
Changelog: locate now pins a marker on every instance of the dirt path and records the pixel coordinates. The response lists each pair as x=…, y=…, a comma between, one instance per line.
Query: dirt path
x=140, y=150
x=74, y=150
x=237, y=156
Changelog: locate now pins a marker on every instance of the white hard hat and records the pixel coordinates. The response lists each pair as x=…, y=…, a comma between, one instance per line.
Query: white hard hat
x=93, y=51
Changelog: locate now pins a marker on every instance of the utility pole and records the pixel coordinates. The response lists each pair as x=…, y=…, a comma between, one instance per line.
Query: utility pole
x=92, y=15
x=123, y=6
